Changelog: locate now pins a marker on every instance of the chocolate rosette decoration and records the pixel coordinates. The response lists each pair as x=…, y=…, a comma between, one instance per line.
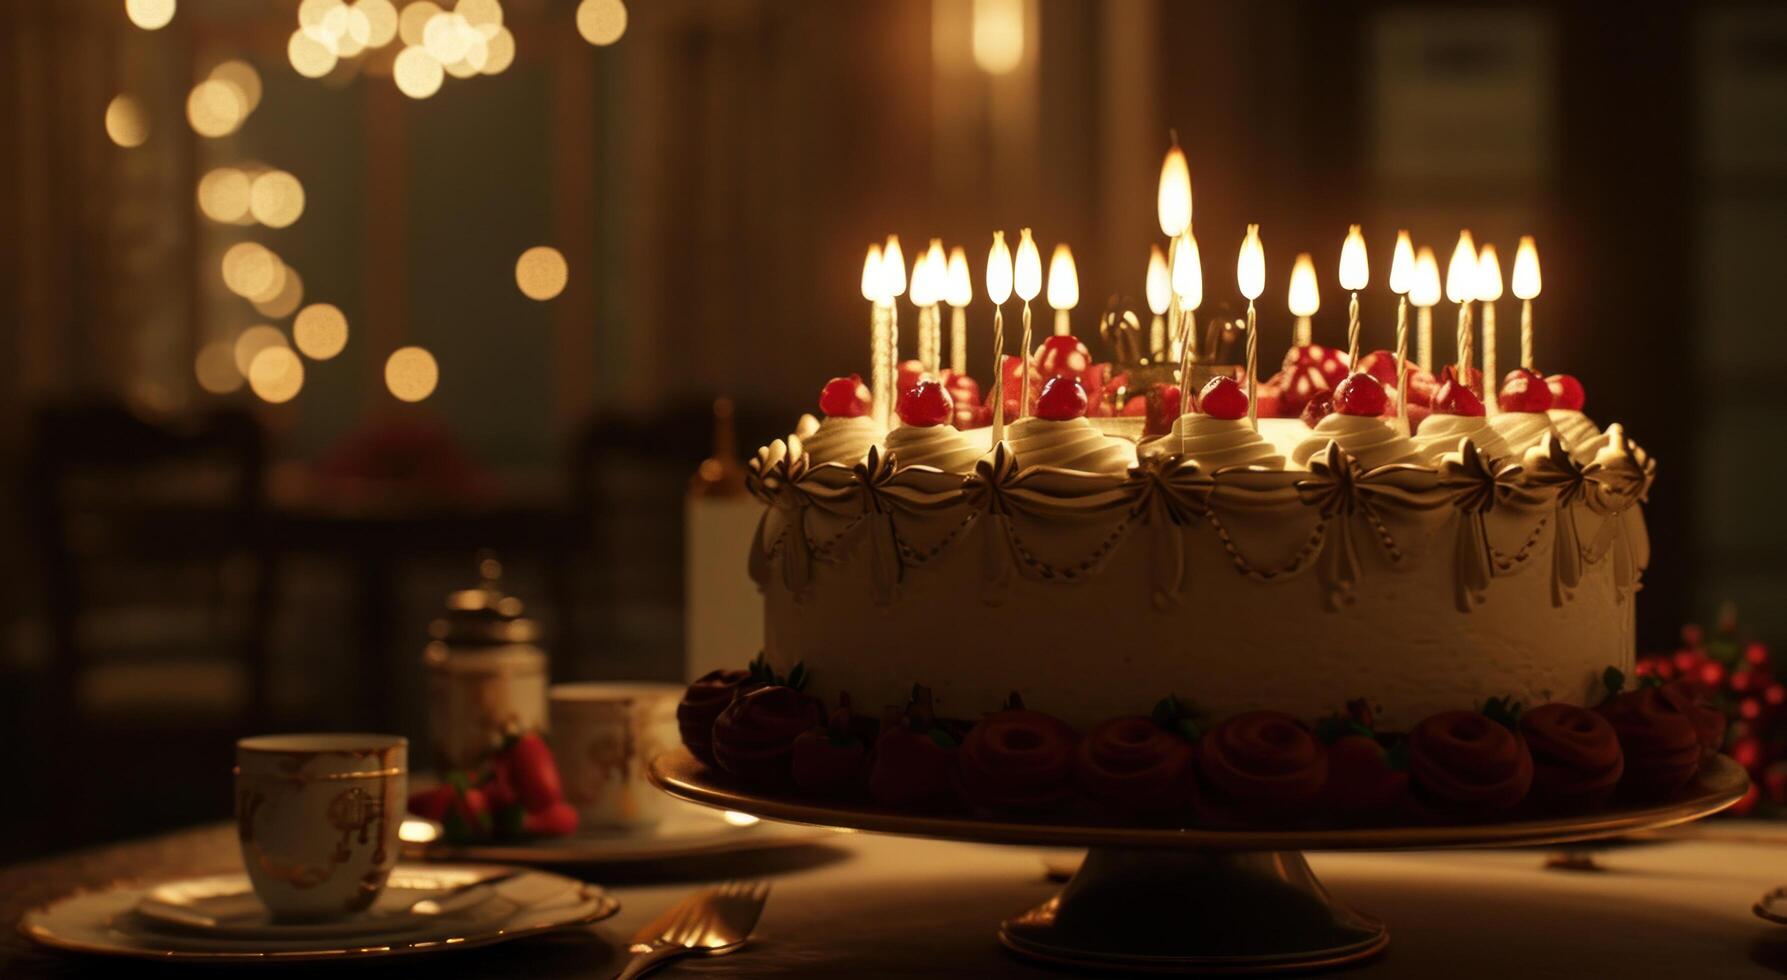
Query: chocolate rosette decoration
x=1136, y=767
x=1709, y=722
x=1658, y=737
x=1264, y=763
x=754, y=736
x=701, y=706
x=1465, y=760
x=1017, y=761
x=1576, y=756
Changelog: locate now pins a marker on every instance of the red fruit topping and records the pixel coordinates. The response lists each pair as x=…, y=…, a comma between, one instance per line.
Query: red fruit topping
x=1264, y=763
x=1380, y=364
x=1062, y=399
x=908, y=374
x=1465, y=759
x=1319, y=408
x=1160, y=408
x=1566, y=392
x=1709, y=721
x=702, y=703
x=972, y=415
x=432, y=804
x=1271, y=401
x=1474, y=376
x=911, y=767
x=1300, y=385
x=1095, y=380
x=1137, y=768
x=1135, y=408
x=534, y=772
x=1659, y=739
x=557, y=820
x=925, y=404
x=1576, y=756
x=754, y=736
x=1223, y=398
x=961, y=387
x=1524, y=391
x=1455, y=399
x=833, y=759
x=1062, y=355
x=1017, y=761
x=845, y=397
x=1012, y=368
x=1361, y=780
x=1360, y=394
x=1329, y=361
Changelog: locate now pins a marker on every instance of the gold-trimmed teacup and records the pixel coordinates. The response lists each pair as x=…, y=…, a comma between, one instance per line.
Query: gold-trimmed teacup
x=604, y=737
x=317, y=816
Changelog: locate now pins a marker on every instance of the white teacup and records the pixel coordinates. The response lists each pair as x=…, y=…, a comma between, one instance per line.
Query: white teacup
x=604, y=737
x=317, y=816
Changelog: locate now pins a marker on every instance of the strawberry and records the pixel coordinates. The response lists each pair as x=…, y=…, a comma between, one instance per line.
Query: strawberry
x=432, y=804
x=1362, y=777
x=534, y=772
x=557, y=820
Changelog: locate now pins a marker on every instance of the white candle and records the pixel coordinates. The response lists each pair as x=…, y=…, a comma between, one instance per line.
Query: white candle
x=1489, y=289
x=1188, y=287
x=999, y=290
x=1526, y=287
x=1355, y=273
x=1402, y=279
x=1461, y=275
x=1027, y=281
x=1159, y=292
x=893, y=283
x=1304, y=298
x=1064, y=288
x=1250, y=274
x=1173, y=207
x=1425, y=294
x=958, y=292
x=879, y=388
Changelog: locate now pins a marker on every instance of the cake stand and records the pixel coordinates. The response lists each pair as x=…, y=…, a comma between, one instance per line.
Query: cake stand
x=1195, y=901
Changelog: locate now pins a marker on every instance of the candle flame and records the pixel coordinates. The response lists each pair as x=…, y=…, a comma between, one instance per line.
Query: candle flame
x=1160, y=284
x=1188, y=272
x=921, y=292
x=1526, y=268
x=999, y=270
x=1064, y=279
x=1174, y=201
x=939, y=264
x=1488, y=286
x=893, y=269
x=958, y=289
x=1027, y=271
x=1461, y=272
x=1426, y=288
x=1305, y=296
x=871, y=274
x=1402, y=265
x=1250, y=266
x=1355, y=271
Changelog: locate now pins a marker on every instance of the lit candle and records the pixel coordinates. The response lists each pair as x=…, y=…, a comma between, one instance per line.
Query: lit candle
x=958, y=292
x=1488, y=289
x=1173, y=207
x=998, y=290
x=1402, y=279
x=1250, y=274
x=1027, y=281
x=1160, y=288
x=1304, y=297
x=937, y=278
x=1064, y=288
x=921, y=297
x=1526, y=286
x=1355, y=273
x=1425, y=294
x=1188, y=290
x=871, y=291
x=893, y=283
x=1461, y=275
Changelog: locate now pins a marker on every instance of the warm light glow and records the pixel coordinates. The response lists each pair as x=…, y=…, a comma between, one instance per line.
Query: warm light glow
x=1461, y=272
x=215, y=108
x=320, y=331
x=1159, y=285
x=738, y=819
x=417, y=74
x=411, y=374
x=276, y=199
x=309, y=56
x=215, y=368
x=250, y=270
x=871, y=274
x=275, y=285
x=246, y=80
x=1526, y=269
x=150, y=15
x=998, y=35
x=249, y=344
x=541, y=273
x=223, y=195
x=276, y=375
x=1355, y=271
x=501, y=48
x=999, y=270
x=484, y=16
x=958, y=283
x=1188, y=272
x=1250, y=265
x=1426, y=288
x=893, y=269
x=1173, y=202
x=414, y=21
x=1305, y=295
x=415, y=830
x=445, y=37
x=1027, y=270
x=291, y=293
x=601, y=22
x=1487, y=286
x=921, y=291
x=1402, y=265
x=936, y=271
x=1064, y=279
x=126, y=123
x=381, y=21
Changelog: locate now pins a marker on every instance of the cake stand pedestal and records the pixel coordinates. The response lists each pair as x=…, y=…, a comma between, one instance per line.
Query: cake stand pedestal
x=1154, y=899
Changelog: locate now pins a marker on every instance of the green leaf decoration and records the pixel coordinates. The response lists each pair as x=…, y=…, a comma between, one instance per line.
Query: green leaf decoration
x=1614, y=679
x=1397, y=755
x=1504, y=711
x=942, y=738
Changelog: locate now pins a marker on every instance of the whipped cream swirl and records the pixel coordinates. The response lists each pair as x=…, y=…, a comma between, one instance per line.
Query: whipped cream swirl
x=1522, y=430
x=841, y=439
x=1072, y=444
x=1440, y=435
x=1373, y=441
x=941, y=446
x=1583, y=437
x=1218, y=444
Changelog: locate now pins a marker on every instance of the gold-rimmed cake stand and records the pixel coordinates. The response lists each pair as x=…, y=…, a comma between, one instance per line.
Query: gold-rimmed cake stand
x=1160, y=899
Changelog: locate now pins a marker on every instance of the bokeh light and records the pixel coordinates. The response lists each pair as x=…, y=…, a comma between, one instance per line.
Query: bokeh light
x=276, y=199
x=246, y=80
x=223, y=195
x=250, y=269
x=215, y=368
x=445, y=37
x=601, y=22
x=320, y=331
x=411, y=374
x=276, y=375
x=484, y=15
x=291, y=293
x=502, y=52
x=309, y=56
x=126, y=123
x=413, y=23
x=250, y=342
x=417, y=74
x=215, y=108
x=541, y=272
x=150, y=15
x=381, y=22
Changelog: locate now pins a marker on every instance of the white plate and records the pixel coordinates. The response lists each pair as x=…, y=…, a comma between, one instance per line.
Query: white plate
x=107, y=922
x=226, y=906
x=689, y=831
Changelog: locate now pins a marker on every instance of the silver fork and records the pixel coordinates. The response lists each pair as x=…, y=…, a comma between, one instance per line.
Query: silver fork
x=710, y=922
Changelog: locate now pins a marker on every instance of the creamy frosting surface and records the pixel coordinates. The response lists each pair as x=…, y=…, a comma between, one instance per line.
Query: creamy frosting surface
x=1071, y=444
x=841, y=439
x=942, y=446
x=1221, y=443
x=1440, y=434
x=1583, y=437
x=1522, y=430
x=1372, y=441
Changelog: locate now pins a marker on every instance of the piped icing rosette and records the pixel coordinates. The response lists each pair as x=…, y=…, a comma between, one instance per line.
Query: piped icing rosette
x=940, y=446
x=1373, y=441
x=1440, y=434
x=1070, y=444
x=1218, y=444
x=1580, y=433
x=841, y=439
x=1522, y=430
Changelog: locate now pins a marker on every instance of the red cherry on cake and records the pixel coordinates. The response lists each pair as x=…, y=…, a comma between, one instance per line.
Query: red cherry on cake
x=1466, y=761
x=925, y=404
x=1136, y=407
x=1062, y=400
x=833, y=759
x=1159, y=408
x=1319, y=408
x=1473, y=378
x=754, y=736
x=1576, y=756
x=1017, y=761
x=1361, y=779
x=972, y=415
x=1362, y=395
x=845, y=397
x=1566, y=392
x=1380, y=364
x=1264, y=763
x=911, y=767
x=701, y=705
x=1270, y=399
x=1137, y=768
x=908, y=374
x=1456, y=399
x=1062, y=354
x=1524, y=391
x=1223, y=398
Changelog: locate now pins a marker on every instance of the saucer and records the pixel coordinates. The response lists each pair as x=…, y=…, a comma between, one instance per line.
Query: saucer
x=226, y=906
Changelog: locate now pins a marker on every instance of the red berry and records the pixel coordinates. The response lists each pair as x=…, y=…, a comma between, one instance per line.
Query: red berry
x=1566, y=392
x=1749, y=708
x=1686, y=660
x=1455, y=399
x=961, y=387
x=1062, y=355
x=845, y=397
x=1135, y=408
x=557, y=820
x=1380, y=364
x=1775, y=695
x=1329, y=361
x=1319, y=408
x=1333, y=365
x=1223, y=398
x=1747, y=752
x=1159, y=408
x=972, y=415
x=535, y=772
x=432, y=804
x=924, y=404
x=1270, y=399
x=1756, y=653
x=1712, y=673
x=908, y=374
x=1062, y=399
x=1301, y=384
x=1360, y=394
x=1524, y=391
